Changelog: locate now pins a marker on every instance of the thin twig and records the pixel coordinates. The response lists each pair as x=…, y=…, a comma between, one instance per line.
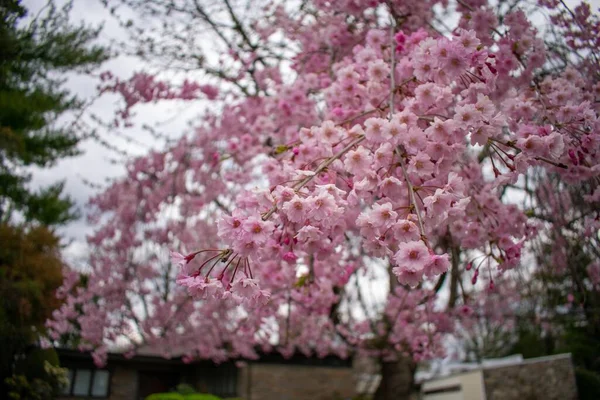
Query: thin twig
x=413, y=199
x=320, y=169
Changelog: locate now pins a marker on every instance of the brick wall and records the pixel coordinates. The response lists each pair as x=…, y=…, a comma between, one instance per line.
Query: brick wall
x=549, y=378
x=295, y=382
x=123, y=383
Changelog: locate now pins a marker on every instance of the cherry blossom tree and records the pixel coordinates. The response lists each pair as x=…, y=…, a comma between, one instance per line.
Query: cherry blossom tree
x=361, y=157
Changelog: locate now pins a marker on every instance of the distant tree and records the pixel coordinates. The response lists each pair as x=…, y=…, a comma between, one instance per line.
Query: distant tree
x=33, y=59
x=30, y=273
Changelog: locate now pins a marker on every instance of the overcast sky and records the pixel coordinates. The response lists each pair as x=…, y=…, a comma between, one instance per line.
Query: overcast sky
x=95, y=165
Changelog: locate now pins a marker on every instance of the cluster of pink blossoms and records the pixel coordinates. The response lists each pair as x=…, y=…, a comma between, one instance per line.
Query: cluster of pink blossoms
x=398, y=182
x=394, y=182
x=244, y=289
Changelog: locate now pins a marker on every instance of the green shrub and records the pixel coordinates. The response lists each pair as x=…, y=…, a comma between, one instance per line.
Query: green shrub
x=177, y=396
x=185, y=389
x=201, y=396
x=33, y=366
x=165, y=396
x=20, y=387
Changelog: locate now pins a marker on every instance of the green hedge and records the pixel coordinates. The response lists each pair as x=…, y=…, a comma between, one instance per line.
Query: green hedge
x=177, y=396
x=201, y=396
x=165, y=396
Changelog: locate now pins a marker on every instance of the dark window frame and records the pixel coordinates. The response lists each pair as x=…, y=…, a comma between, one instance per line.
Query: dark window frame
x=90, y=386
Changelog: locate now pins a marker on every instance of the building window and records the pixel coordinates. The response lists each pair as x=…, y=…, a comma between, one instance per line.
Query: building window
x=87, y=383
x=100, y=383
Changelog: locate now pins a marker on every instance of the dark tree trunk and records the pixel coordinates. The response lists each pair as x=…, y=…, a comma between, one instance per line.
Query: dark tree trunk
x=397, y=379
x=454, y=276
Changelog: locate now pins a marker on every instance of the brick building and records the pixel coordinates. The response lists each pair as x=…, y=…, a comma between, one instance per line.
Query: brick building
x=270, y=378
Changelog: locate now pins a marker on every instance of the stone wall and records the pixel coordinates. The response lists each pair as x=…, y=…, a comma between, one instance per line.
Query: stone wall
x=547, y=378
x=295, y=382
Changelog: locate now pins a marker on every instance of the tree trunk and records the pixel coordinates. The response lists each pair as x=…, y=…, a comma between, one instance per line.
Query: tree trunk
x=454, y=276
x=397, y=379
